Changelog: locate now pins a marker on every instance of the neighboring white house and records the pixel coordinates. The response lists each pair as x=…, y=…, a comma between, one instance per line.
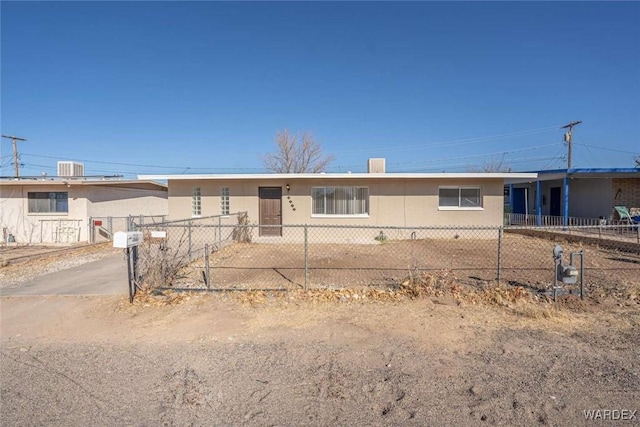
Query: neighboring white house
x=369, y=199
x=57, y=210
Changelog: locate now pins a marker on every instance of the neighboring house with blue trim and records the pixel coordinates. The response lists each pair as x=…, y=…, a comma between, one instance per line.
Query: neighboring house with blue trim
x=573, y=196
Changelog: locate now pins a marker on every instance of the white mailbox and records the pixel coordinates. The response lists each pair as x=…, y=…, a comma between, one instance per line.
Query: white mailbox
x=129, y=239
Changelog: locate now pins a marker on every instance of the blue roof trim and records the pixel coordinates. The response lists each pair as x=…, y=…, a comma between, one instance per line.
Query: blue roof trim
x=592, y=170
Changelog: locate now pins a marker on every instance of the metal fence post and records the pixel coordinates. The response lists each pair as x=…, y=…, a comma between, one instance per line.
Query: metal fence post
x=206, y=266
x=129, y=275
x=190, y=239
x=219, y=232
x=134, y=254
x=500, y=234
x=306, y=256
x=110, y=224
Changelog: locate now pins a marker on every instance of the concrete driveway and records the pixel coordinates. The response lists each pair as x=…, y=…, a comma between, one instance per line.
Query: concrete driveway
x=107, y=276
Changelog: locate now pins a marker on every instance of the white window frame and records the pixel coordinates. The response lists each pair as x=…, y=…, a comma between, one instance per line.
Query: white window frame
x=196, y=202
x=460, y=207
x=224, y=201
x=325, y=215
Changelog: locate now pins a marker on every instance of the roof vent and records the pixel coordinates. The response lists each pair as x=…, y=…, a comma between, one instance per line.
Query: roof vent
x=69, y=169
x=376, y=166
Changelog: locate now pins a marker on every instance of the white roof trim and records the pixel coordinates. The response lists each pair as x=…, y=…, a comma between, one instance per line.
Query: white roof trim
x=81, y=182
x=286, y=176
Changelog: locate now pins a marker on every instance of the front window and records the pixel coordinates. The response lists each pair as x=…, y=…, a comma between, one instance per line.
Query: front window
x=460, y=197
x=48, y=202
x=224, y=201
x=340, y=200
x=196, y=203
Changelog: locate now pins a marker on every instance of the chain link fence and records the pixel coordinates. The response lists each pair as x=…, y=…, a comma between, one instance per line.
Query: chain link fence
x=228, y=253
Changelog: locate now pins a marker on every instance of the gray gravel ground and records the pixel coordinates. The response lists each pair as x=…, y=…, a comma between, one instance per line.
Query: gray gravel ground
x=15, y=274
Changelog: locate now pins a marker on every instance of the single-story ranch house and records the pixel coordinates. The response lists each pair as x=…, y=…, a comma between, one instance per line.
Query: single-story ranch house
x=58, y=210
x=366, y=199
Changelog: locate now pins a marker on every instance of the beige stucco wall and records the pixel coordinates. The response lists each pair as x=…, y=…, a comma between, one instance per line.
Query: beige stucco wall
x=590, y=198
x=113, y=201
x=32, y=228
x=84, y=202
x=401, y=202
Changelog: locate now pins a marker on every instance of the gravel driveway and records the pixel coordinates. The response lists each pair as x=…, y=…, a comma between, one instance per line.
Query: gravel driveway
x=91, y=270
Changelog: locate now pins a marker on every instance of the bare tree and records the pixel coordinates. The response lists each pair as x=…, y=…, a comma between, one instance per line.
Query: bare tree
x=299, y=153
x=491, y=165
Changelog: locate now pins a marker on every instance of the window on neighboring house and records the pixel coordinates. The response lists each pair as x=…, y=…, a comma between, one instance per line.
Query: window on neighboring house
x=460, y=197
x=196, y=202
x=340, y=200
x=48, y=202
x=224, y=201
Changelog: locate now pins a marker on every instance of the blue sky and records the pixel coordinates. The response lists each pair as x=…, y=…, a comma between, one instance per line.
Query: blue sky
x=202, y=87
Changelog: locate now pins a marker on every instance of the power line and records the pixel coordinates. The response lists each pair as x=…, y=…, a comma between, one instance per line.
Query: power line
x=135, y=164
x=517, y=160
x=497, y=153
x=609, y=149
x=118, y=171
x=103, y=162
x=558, y=156
x=591, y=158
x=455, y=142
x=182, y=169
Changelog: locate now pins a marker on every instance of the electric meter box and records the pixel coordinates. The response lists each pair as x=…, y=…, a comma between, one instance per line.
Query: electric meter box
x=567, y=274
x=128, y=239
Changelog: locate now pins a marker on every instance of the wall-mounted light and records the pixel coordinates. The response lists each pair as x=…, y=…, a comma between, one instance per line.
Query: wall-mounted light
x=288, y=187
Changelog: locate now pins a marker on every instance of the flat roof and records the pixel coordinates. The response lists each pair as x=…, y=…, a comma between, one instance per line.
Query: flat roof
x=333, y=176
x=74, y=182
x=556, y=174
x=591, y=173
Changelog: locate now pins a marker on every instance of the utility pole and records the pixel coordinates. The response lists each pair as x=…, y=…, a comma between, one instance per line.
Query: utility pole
x=15, y=151
x=568, y=138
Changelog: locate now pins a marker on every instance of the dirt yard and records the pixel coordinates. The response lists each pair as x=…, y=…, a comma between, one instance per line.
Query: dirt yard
x=526, y=262
x=298, y=359
x=433, y=351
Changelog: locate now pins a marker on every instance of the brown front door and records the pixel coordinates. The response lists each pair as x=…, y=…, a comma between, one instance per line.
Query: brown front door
x=270, y=210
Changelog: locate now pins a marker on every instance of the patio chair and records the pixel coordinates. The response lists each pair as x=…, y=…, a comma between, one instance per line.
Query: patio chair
x=625, y=216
